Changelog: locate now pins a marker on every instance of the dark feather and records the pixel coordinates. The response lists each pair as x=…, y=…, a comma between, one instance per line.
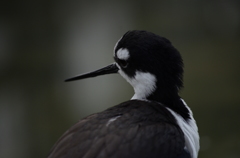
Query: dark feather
x=142, y=129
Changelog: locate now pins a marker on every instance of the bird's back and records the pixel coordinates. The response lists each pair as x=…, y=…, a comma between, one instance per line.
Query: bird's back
x=133, y=129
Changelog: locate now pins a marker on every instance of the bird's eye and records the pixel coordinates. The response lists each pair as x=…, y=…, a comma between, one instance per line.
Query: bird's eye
x=123, y=63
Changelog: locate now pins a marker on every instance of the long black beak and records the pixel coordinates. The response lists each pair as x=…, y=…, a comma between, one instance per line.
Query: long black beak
x=110, y=69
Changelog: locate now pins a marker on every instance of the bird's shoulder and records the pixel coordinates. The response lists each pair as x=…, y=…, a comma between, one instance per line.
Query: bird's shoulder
x=131, y=129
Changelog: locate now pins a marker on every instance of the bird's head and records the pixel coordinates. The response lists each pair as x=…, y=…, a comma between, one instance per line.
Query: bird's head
x=147, y=61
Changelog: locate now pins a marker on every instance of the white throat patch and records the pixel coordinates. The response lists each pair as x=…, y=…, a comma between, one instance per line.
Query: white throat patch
x=143, y=83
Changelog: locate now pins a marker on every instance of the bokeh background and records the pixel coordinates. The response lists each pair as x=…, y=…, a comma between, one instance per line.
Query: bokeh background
x=43, y=42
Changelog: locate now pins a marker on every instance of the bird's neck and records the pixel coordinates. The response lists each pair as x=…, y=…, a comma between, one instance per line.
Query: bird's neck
x=147, y=87
x=168, y=98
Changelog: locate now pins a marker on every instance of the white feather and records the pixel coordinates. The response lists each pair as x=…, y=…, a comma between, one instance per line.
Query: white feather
x=190, y=131
x=123, y=54
x=112, y=120
x=143, y=83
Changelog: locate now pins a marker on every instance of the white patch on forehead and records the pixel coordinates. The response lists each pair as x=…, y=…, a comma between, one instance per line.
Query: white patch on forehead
x=143, y=83
x=123, y=54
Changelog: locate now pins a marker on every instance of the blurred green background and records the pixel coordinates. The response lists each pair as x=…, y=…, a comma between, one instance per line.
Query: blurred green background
x=43, y=42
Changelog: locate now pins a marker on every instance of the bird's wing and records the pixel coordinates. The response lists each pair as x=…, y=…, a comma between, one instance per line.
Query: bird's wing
x=121, y=134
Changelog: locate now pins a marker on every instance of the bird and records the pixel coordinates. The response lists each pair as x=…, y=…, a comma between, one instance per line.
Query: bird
x=155, y=123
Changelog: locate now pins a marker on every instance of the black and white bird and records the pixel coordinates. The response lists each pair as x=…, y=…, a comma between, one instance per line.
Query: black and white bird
x=155, y=123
